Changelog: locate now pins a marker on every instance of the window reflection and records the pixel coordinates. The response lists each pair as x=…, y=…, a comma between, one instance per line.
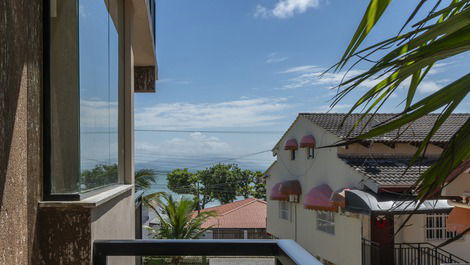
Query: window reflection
x=84, y=84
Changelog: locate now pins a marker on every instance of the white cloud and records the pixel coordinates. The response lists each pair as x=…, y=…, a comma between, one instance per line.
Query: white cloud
x=286, y=8
x=98, y=114
x=229, y=114
x=336, y=108
x=439, y=68
x=301, y=69
x=429, y=86
x=275, y=58
x=195, y=145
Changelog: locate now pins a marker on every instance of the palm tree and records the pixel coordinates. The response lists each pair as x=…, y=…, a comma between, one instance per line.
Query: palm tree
x=176, y=219
x=443, y=33
x=144, y=178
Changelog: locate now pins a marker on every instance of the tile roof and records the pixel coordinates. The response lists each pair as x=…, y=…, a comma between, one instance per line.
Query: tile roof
x=249, y=213
x=416, y=132
x=389, y=171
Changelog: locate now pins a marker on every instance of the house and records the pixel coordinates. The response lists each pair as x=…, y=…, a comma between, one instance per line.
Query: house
x=345, y=204
x=244, y=219
x=68, y=74
x=457, y=192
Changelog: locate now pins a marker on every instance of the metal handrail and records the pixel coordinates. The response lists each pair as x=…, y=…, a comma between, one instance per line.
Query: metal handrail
x=438, y=250
x=287, y=252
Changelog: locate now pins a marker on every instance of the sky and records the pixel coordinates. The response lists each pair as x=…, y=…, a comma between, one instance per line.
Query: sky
x=247, y=68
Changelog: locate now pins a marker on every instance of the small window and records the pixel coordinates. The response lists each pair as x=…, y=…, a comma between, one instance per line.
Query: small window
x=310, y=153
x=326, y=222
x=292, y=155
x=435, y=227
x=284, y=210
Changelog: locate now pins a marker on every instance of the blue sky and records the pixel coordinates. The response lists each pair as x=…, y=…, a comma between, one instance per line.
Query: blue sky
x=252, y=65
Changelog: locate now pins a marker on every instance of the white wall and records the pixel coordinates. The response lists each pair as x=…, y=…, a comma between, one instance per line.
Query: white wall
x=414, y=232
x=326, y=168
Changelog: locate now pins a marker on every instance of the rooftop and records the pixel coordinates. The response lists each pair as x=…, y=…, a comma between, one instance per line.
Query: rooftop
x=415, y=132
x=389, y=171
x=248, y=213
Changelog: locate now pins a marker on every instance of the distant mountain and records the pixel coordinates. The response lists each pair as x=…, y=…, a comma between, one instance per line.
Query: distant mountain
x=166, y=166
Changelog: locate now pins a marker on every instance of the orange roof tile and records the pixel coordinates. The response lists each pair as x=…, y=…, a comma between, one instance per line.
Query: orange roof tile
x=249, y=213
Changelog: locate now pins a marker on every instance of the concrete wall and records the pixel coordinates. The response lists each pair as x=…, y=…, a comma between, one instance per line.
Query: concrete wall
x=326, y=168
x=20, y=128
x=115, y=220
x=414, y=232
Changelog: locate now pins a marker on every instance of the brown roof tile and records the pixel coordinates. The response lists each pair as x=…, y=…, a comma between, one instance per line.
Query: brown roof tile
x=416, y=132
x=389, y=171
x=249, y=213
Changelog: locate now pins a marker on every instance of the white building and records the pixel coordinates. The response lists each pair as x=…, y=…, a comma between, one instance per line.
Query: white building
x=344, y=204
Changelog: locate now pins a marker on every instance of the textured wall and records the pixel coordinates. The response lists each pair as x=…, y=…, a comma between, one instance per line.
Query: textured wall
x=20, y=90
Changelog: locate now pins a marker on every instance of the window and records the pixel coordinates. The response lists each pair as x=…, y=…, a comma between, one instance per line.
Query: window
x=326, y=221
x=310, y=153
x=83, y=95
x=292, y=155
x=284, y=210
x=435, y=227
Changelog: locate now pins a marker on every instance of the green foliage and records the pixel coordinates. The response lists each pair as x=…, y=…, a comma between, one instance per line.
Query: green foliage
x=144, y=178
x=176, y=219
x=102, y=175
x=223, y=182
x=440, y=34
x=99, y=176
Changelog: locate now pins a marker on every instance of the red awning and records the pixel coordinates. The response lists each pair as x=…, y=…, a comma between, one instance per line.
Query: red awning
x=319, y=199
x=307, y=141
x=290, y=187
x=458, y=220
x=277, y=195
x=291, y=144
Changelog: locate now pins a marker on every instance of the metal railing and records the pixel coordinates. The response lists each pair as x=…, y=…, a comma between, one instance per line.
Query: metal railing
x=370, y=252
x=423, y=254
x=286, y=252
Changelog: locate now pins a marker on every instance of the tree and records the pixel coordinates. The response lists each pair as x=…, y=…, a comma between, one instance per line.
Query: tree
x=441, y=34
x=144, y=178
x=176, y=219
x=223, y=182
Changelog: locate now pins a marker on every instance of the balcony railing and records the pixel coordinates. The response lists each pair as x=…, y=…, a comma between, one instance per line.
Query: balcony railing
x=286, y=252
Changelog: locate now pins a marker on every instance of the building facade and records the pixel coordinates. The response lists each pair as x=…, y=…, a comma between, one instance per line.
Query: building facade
x=68, y=71
x=344, y=204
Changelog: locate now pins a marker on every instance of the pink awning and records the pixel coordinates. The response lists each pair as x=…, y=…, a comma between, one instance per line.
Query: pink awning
x=291, y=144
x=458, y=220
x=319, y=199
x=307, y=141
x=290, y=187
x=277, y=195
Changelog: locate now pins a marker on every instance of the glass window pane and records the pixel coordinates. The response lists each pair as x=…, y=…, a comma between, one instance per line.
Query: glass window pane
x=84, y=90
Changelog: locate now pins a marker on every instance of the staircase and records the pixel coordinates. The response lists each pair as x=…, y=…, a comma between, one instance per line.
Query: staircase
x=423, y=254
x=409, y=254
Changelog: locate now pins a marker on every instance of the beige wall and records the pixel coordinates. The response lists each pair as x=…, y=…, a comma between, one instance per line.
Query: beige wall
x=458, y=187
x=115, y=220
x=399, y=149
x=326, y=168
x=414, y=232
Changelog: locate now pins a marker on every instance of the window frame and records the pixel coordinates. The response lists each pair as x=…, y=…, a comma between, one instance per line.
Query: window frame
x=48, y=195
x=329, y=221
x=437, y=231
x=284, y=211
x=310, y=153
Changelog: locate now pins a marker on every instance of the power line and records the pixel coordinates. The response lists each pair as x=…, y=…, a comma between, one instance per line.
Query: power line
x=208, y=131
